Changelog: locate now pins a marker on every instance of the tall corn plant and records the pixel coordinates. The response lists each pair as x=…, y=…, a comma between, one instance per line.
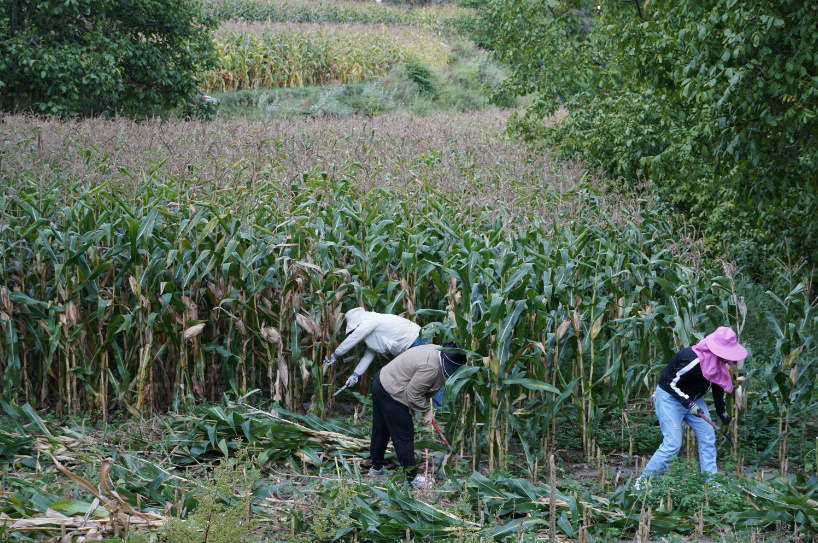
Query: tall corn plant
x=253, y=56
x=191, y=291
x=788, y=380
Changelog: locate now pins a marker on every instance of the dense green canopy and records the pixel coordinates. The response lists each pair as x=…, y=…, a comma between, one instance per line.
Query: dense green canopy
x=713, y=100
x=139, y=57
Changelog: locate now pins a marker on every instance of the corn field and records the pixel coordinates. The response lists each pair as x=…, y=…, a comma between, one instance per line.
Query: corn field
x=191, y=277
x=262, y=55
x=147, y=267
x=436, y=18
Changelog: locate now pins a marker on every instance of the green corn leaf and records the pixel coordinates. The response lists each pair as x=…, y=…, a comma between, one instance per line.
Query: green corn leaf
x=532, y=384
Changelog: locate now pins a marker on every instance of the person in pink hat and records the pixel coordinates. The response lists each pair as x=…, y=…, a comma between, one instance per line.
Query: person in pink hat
x=679, y=397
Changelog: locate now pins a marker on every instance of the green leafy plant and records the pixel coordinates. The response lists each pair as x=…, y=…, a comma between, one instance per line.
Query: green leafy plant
x=684, y=490
x=423, y=77
x=222, y=513
x=332, y=521
x=94, y=57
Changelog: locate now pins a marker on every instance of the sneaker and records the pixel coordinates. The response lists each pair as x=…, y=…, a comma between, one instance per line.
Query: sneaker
x=418, y=482
x=377, y=472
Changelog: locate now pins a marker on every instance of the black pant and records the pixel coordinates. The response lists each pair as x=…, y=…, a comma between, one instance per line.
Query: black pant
x=391, y=419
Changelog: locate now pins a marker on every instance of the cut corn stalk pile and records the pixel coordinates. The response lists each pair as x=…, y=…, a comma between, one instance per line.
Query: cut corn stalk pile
x=28, y=507
x=119, y=493
x=79, y=528
x=273, y=436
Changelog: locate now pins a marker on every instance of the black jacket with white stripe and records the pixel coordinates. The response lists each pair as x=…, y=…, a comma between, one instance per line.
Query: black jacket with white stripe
x=683, y=380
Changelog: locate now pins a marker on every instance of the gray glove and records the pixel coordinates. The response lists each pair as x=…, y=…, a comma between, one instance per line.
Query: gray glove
x=694, y=410
x=353, y=380
x=331, y=359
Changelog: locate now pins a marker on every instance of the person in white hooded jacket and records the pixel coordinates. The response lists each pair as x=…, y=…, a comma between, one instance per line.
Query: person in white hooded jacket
x=383, y=334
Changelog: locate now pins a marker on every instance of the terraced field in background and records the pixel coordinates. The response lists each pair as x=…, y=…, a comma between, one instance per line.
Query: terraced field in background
x=312, y=58
x=276, y=55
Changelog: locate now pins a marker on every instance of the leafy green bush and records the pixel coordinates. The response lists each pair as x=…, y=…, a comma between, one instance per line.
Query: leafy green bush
x=92, y=57
x=423, y=77
x=333, y=520
x=713, y=101
x=223, y=513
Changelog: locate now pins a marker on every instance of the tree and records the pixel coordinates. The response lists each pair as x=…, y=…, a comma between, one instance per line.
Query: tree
x=712, y=100
x=90, y=57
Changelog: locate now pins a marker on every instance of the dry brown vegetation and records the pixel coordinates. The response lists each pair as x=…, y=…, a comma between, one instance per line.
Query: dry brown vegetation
x=435, y=16
x=466, y=156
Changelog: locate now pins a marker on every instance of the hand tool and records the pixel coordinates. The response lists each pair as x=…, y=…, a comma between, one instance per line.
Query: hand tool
x=723, y=429
x=340, y=390
x=449, y=449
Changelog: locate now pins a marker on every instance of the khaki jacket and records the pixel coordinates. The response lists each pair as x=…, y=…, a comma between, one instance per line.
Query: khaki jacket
x=414, y=377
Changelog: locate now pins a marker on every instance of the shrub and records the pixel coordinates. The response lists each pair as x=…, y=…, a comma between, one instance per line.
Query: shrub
x=91, y=57
x=423, y=77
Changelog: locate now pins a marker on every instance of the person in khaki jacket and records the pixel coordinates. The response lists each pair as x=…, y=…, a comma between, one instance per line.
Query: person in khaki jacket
x=407, y=384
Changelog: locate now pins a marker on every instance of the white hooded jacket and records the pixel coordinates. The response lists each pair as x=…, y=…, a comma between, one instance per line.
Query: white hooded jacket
x=383, y=333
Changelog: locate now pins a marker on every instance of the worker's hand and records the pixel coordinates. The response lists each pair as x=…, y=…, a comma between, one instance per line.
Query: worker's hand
x=353, y=380
x=428, y=417
x=724, y=418
x=331, y=359
x=695, y=411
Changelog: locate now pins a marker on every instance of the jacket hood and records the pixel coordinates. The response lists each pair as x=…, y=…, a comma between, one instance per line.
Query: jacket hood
x=354, y=318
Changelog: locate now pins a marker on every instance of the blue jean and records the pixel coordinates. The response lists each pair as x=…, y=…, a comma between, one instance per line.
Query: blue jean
x=671, y=413
x=437, y=401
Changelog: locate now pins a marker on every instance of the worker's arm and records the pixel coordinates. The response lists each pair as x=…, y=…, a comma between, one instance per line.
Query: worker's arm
x=366, y=360
x=718, y=401
x=360, y=368
x=356, y=337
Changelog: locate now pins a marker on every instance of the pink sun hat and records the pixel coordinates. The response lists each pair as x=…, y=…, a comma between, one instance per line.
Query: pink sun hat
x=723, y=344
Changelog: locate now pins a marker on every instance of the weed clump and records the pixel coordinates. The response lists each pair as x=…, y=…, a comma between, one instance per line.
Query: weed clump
x=223, y=513
x=333, y=520
x=683, y=489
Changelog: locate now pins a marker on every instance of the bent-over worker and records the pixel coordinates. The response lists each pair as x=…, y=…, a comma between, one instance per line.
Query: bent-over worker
x=383, y=333
x=407, y=384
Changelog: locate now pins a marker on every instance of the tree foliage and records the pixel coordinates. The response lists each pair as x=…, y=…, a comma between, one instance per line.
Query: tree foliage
x=713, y=100
x=87, y=57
